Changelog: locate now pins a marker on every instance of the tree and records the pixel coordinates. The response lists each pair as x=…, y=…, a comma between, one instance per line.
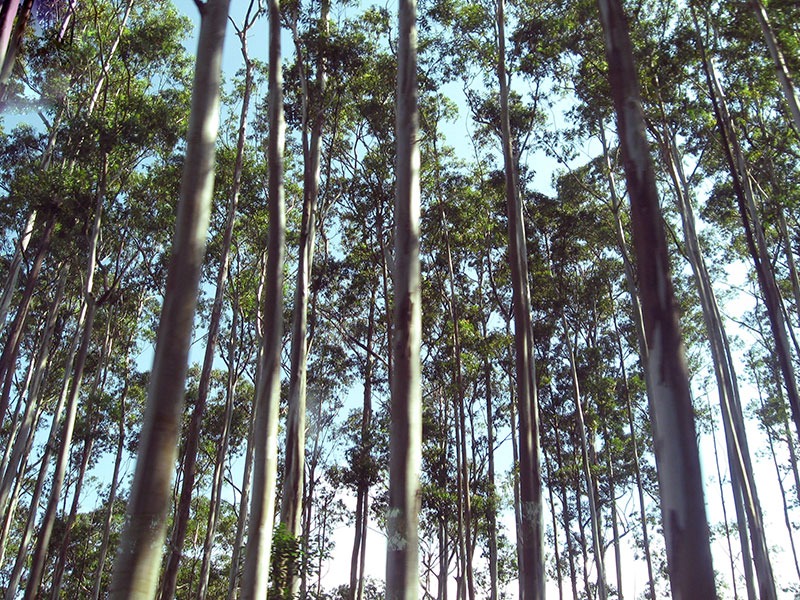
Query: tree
x=402, y=575
x=139, y=554
x=678, y=462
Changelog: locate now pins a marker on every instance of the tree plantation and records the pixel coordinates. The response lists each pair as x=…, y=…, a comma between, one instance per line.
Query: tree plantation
x=454, y=299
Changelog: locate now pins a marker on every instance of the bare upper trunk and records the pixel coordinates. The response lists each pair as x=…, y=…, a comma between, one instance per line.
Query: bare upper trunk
x=405, y=446
x=265, y=459
x=677, y=459
x=139, y=555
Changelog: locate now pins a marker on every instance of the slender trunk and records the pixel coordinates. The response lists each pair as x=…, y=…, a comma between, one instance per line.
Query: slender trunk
x=770, y=439
x=531, y=535
x=725, y=514
x=61, y=557
x=780, y=63
x=244, y=499
x=362, y=493
x=405, y=445
x=85, y=323
x=492, y=516
x=170, y=578
x=554, y=518
x=112, y=496
x=259, y=537
x=219, y=462
x=19, y=484
x=138, y=558
x=14, y=45
x=594, y=516
x=106, y=59
x=7, y=16
x=13, y=269
x=565, y=512
x=742, y=476
x=675, y=440
x=465, y=504
x=22, y=554
x=582, y=538
x=635, y=448
x=12, y=470
x=753, y=232
x=8, y=359
x=292, y=496
x=612, y=496
x=787, y=250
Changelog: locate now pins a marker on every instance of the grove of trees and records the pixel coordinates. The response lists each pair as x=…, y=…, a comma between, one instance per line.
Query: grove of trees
x=470, y=299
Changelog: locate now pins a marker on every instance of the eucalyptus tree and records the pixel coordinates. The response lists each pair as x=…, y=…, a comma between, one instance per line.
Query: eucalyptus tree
x=262, y=510
x=682, y=506
x=138, y=558
x=169, y=581
x=402, y=576
x=312, y=122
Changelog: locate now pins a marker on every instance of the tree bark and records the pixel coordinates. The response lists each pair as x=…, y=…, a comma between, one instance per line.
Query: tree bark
x=405, y=445
x=292, y=496
x=262, y=509
x=677, y=459
x=531, y=535
x=170, y=579
x=139, y=555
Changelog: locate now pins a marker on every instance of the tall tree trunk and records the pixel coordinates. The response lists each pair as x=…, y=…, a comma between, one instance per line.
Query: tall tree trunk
x=494, y=593
x=61, y=557
x=137, y=564
x=22, y=554
x=780, y=63
x=170, y=579
x=219, y=461
x=612, y=496
x=594, y=516
x=112, y=495
x=753, y=232
x=244, y=498
x=13, y=269
x=362, y=492
x=292, y=496
x=565, y=512
x=12, y=465
x=770, y=439
x=677, y=459
x=405, y=445
x=265, y=459
x=531, y=534
x=731, y=554
x=7, y=16
x=554, y=518
x=742, y=475
x=8, y=359
x=14, y=45
x=635, y=448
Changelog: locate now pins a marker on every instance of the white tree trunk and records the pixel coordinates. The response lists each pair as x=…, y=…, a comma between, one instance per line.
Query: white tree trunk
x=405, y=446
x=139, y=555
x=265, y=461
x=677, y=458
